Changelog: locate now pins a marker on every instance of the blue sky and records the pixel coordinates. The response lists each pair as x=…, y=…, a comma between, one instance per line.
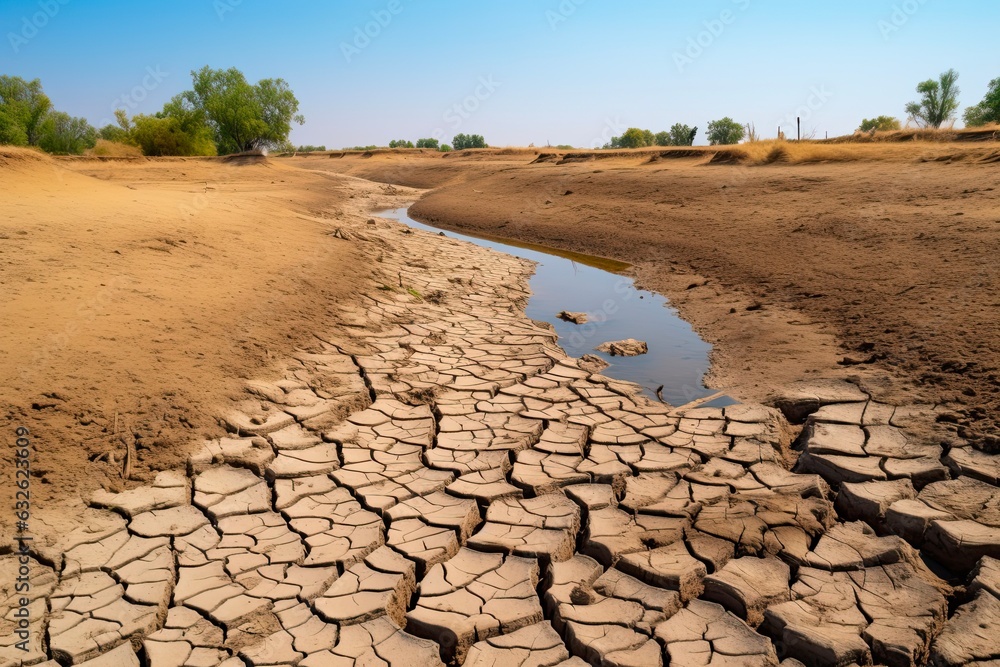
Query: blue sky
x=516, y=71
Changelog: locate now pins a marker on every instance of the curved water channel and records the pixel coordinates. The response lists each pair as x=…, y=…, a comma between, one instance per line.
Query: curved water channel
x=616, y=309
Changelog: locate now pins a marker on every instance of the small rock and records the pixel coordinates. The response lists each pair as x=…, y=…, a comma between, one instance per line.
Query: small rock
x=575, y=318
x=630, y=347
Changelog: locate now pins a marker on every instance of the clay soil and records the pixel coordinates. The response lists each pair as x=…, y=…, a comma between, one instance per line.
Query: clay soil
x=877, y=262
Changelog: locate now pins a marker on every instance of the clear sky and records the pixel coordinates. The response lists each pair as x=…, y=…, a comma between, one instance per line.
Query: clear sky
x=516, y=71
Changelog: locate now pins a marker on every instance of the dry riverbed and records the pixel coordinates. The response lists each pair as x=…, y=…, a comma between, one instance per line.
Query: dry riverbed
x=428, y=479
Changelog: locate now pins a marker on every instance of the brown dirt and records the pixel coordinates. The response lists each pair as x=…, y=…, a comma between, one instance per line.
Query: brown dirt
x=138, y=293
x=877, y=261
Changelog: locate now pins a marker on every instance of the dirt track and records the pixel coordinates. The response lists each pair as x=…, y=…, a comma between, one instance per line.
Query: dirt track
x=886, y=264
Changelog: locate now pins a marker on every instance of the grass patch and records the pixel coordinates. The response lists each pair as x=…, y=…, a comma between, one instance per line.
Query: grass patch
x=105, y=148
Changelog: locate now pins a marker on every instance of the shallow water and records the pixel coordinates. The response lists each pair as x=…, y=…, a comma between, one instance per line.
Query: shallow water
x=677, y=357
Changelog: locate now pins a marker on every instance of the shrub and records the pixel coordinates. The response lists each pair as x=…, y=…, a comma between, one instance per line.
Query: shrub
x=400, y=143
x=427, y=143
x=310, y=149
x=444, y=148
x=879, y=124
x=725, y=131
x=157, y=135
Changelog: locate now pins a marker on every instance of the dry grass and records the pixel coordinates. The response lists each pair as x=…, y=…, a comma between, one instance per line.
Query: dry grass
x=806, y=152
x=105, y=148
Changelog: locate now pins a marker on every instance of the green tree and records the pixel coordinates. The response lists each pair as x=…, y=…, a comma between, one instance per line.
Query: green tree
x=400, y=143
x=987, y=111
x=23, y=109
x=242, y=116
x=444, y=148
x=61, y=133
x=427, y=143
x=879, y=124
x=633, y=137
x=682, y=135
x=662, y=138
x=725, y=131
x=938, y=101
x=463, y=141
x=309, y=148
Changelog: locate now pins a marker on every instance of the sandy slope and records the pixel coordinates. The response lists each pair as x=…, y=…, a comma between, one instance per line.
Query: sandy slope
x=890, y=259
x=147, y=290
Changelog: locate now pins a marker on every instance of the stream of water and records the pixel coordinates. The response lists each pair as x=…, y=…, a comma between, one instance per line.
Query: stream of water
x=677, y=357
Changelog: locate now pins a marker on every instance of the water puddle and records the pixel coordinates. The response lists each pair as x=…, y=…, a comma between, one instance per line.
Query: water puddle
x=677, y=357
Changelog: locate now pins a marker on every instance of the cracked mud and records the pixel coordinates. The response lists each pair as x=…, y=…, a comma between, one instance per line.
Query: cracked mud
x=437, y=483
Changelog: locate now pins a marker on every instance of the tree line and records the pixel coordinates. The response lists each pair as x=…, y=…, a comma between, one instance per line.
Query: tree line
x=223, y=113
x=938, y=105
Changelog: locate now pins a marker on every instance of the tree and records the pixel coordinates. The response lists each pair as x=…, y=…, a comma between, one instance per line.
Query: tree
x=427, y=143
x=633, y=137
x=987, y=111
x=400, y=143
x=444, y=148
x=23, y=109
x=242, y=117
x=938, y=101
x=61, y=133
x=879, y=124
x=463, y=141
x=725, y=131
x=662, y=139
x=682, y=135
x=309, y=148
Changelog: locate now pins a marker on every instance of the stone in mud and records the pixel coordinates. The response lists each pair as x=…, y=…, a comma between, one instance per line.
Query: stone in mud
x=630, y=347
x=592, y=363
x=575, y=318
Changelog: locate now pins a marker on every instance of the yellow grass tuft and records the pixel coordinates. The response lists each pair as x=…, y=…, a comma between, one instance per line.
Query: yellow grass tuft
x=105, y=148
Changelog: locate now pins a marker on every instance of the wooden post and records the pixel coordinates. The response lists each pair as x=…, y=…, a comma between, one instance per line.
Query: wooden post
x=798, y=128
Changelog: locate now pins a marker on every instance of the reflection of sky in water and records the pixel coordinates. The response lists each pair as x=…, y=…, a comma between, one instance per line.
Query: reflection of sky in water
x=677, y=357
